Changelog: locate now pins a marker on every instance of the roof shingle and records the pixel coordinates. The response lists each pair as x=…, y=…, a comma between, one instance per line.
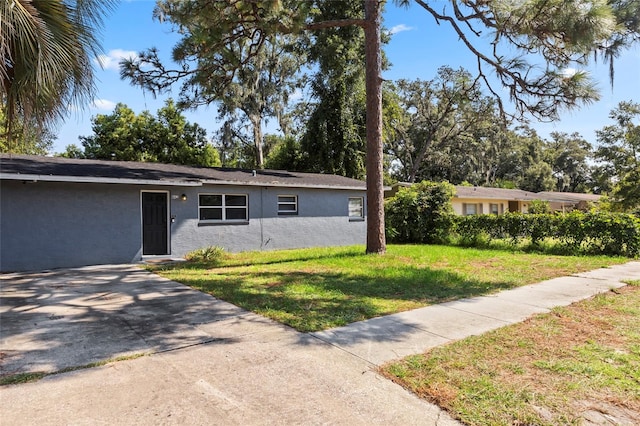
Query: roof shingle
x=50, y=168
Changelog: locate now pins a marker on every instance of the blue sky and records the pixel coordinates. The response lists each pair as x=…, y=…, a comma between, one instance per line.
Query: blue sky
x=417, y=49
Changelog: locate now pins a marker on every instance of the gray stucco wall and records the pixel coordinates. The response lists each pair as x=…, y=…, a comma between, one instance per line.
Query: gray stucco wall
x=322, y=220
x=47, y=225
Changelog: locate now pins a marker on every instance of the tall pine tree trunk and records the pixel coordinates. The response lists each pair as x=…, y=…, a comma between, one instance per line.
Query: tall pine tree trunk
x=376, y=242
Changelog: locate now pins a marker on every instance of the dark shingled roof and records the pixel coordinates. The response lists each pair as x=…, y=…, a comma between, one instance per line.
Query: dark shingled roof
x=58, y=168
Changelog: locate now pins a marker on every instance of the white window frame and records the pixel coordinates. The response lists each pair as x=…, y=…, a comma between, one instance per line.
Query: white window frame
x=359, y=213
x=293, y=203
x=497, y=206
x=224, y=208
x=477, y=207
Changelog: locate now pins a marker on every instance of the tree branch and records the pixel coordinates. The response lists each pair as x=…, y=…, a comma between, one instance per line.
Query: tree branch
x=336, y=24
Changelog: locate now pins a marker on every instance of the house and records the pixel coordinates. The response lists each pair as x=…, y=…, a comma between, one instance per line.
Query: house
x=58, y=212
x=567, y=201
x=472, y=200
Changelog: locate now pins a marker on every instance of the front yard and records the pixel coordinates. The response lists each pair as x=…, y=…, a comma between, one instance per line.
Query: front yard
x=576, y=365
x=317, y=289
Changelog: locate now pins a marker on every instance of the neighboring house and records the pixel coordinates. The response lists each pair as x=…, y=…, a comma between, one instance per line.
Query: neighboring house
x=472, y=200
x=58, y=212
x=567, y=201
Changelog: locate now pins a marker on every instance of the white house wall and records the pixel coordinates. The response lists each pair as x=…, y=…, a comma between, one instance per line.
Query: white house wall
x=458, y=205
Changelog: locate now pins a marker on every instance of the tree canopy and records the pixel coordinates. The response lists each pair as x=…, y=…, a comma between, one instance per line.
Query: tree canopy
x=619, y=154
x=46, y=48
x=334, y=139
x=438, y=115
x=24, y=139
x=167, y=138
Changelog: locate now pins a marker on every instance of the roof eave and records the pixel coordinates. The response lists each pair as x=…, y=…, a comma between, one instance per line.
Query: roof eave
x=92, y=179
x=283, y=185
x=189, y=183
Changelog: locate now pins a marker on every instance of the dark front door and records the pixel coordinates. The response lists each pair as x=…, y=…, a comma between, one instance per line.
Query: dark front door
x=154, y=223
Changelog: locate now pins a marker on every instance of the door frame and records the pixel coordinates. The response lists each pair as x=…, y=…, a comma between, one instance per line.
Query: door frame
x=168, y=248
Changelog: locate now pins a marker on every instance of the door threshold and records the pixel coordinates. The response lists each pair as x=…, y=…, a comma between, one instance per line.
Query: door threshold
x=161, y=260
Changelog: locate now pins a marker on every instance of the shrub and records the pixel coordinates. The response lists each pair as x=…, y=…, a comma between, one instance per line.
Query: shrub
x=539, y=207
x=421, y=213
x=598, y=232
x=571, y=229
x=613, y=233
x=205, y=254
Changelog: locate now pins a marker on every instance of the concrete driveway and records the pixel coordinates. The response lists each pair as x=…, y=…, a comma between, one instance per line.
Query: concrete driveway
x=213, y=362
x=72, y=317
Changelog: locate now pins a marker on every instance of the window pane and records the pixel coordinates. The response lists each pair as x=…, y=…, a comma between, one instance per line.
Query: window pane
x=470, y=209
x=210, y=214
x=355, y=207
x=210, y=200
x=236, y=214
x=286, y=199
x=286, y=207
x=236, y=200
x=287, y=204
x=355, y=202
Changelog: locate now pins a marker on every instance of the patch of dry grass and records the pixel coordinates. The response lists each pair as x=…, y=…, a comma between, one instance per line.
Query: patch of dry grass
x=578, y=364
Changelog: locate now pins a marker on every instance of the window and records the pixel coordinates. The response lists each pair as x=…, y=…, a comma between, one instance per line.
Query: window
x=471, y=209
x=287, y=204
x=494, y=209
x=356, y=208
x=223, y=207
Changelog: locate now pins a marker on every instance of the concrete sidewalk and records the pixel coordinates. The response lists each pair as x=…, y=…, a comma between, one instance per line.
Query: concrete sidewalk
x=214, y=363
x=383, y=339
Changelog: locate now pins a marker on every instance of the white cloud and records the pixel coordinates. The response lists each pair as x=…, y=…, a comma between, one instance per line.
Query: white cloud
x=296, y=95
x=400, y=28
x=103, y=104
x=111, y=61
x=569, y=72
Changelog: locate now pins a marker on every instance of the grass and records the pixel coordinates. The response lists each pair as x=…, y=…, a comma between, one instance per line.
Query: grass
x=317, y=289
x=577, y=363
x=20, y=378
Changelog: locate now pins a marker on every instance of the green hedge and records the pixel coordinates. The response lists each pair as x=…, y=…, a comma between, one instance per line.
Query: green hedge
x=421, y=213
x=605, y=233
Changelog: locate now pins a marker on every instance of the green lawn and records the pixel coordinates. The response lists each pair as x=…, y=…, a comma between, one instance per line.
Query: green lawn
x=317, y=289
x=576, y=363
